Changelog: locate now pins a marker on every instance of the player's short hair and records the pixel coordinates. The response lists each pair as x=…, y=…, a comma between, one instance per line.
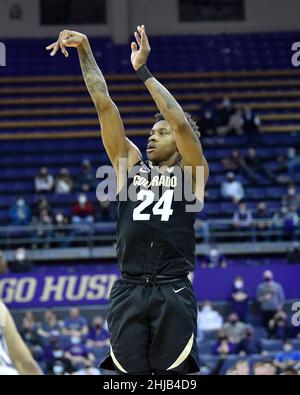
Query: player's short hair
x=158, y=117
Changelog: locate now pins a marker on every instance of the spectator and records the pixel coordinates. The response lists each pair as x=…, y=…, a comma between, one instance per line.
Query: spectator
x=43, y=229
x=224, y=113
x=264, y=368
x=293, y=162
x=239, y=298
x=3, y=264
x=85, y=180
x=20, y=213
x=223, y=345
x=262, y=219
x=254, y=168
x=278, y=326
x=75, y=324
x=42, y=204
x=64, y=182
x=44, y=181
x=288, y=357
x=232, y=188
x=62, y=235
x=294, y=254
x=98, y=336
x=202, y=230
x=233, y=162
x=291, y=222
x=21, y=263
x=57, y=363
x=214, y=259
x=292, y=198
x=251, y=124
x=242, y=368
x=78, y=354
x=50, y=327
x=207, y=119
x=83, y=211
x=236, y=122
x=234, y=328
x=270, y=295
x=29, y=334
x=242, y=218
x=277, y=223
x=208, y=319
x=248, y=345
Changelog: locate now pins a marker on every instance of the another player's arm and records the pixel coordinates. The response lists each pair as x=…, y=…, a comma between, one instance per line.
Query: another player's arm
x=116, y=144
x=187, y=142
x=18, y=351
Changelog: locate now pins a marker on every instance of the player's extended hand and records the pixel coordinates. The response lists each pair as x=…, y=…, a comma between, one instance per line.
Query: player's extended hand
x=140, y=49
x=66, y=38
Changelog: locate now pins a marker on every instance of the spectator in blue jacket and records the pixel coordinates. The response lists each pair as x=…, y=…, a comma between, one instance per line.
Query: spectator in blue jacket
x=20, y=213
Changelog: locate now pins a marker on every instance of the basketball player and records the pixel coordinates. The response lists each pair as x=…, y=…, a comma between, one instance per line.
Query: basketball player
x=15, y=357
x=152, y=316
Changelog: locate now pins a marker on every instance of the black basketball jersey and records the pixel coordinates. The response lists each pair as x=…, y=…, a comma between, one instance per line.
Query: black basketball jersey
x=155, y=232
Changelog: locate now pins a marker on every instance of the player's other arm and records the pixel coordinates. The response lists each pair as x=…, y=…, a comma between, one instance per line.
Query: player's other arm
x=18, y=351
x=112, y=130
x=187, y=142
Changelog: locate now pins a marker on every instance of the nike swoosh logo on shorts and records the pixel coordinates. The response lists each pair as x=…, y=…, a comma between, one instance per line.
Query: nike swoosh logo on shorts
x=178, y=290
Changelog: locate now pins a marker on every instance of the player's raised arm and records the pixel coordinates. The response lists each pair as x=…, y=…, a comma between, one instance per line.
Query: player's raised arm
x=112, y=129
x=17, y=349
x=187, y=142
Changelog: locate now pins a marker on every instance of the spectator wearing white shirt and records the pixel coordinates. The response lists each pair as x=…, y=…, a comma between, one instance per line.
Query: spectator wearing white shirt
x=232, y=188
x=44, y=181
x=208, y=319
x=64, y=182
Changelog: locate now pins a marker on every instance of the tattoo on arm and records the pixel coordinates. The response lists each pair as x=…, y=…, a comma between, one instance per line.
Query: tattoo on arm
x=93, y=76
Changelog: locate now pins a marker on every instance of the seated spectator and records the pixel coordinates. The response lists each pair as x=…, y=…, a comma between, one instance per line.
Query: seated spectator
x=288, y=357
x=57, y=363
x=234, y=328
x=50, y=327
x=248, y=345
x=75, y=324
x=223, y=345
x=98, y=336
x=254, y=168
x=20, y=213
x=107, y=211
x=207, y=118
x=64, y=182
x=44, y=181
x=242, y=218
x=278, y=326
x=214, y=259
x=3, y=264
x=209, y=319
x=239, y=298
x=202, y=230
x=83, y=211
x=62, y=234
x=242, y=368
x=42, y=204
x=21, y=262
x=225, y=111
x=264, y=368
x=29, y=334
x=78, y=354
x=292, y=198
x=291, y=222
x=293, y=255
x=277, y=222
x=293, y=162
x=251, y=124
x=232, y=188
x=43, y=229
x=236, y=122
x=233, y=162
x=270, y=296
x=85, y=180
x=262, y=221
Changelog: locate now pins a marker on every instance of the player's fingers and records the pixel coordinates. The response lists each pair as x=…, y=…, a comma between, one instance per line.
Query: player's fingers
x=50, y=46
x=138, y=38
x=62, y=47
x=134, y=47
x=55, y=49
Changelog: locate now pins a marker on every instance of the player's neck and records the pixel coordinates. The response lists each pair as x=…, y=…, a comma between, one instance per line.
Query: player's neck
x=172, y=161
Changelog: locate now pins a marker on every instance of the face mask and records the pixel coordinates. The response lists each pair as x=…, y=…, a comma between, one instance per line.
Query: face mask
x=287, y=348
x=59, y=218
x=57, y=369
x=75, y=340
x=58, y=353
x=238, y=284
x=20, y=203
x=206, y=308
x=82, y=199
x=291, y=192
x=20, y=255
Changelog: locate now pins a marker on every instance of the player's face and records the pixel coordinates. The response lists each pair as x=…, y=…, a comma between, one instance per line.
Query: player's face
x=161, y=143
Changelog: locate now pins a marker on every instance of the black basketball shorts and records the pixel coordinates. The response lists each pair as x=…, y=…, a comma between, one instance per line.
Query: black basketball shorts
x=152, y=328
